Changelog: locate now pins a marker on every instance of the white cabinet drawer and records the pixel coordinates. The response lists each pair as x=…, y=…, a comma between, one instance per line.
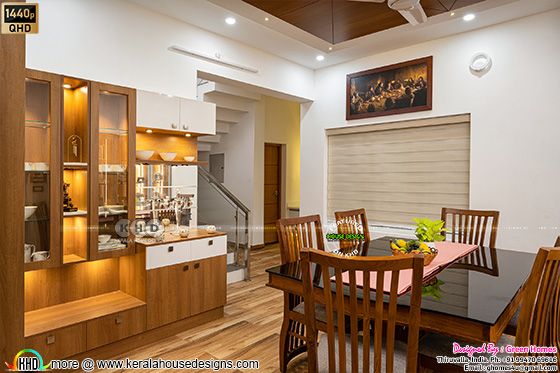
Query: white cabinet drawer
x=197, y=116
x=168, y=254
x=208, y=247
x=155, y=110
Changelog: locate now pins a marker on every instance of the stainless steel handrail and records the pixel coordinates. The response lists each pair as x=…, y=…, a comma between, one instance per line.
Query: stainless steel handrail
x=212, y=180
x=235, y=202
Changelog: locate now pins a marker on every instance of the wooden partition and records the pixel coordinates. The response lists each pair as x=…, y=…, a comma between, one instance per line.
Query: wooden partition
x=12, y=98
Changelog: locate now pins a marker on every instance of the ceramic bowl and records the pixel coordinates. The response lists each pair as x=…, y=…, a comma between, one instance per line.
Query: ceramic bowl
x=39, y=256
x=190, y=158
x=29, y=210
x=168, y=156
x=210, y=228
x=104, y=238
x=144, y=154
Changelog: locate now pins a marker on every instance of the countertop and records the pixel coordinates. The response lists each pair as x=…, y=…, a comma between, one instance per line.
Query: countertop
x=171, y=237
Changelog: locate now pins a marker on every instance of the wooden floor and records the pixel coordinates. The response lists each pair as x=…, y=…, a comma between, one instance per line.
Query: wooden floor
x=249, y=329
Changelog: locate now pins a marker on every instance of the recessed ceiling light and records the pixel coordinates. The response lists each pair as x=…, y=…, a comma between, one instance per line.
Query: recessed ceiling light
x=266, y=19
x=230, y=20
x=67, y=86
x=330, y=48
x=452, y=14
x=469, y=17
x=188, y=135
x=320, y=57
x=149, y=131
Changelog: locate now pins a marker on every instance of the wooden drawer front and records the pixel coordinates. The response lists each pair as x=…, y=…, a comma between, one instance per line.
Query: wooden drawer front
x=167, y=255
x=208, y=247
x=117, y=326
x=59, y=344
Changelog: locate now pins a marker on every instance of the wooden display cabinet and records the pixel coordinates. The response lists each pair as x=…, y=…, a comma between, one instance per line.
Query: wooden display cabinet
x=112, y=195
x=42, y=170
x=77, y=170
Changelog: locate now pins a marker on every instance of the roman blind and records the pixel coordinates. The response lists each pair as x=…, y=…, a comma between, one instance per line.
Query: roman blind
x=400, y=170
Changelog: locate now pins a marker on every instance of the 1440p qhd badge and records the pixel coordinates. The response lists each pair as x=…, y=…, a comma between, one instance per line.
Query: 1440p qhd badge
x=20, y=18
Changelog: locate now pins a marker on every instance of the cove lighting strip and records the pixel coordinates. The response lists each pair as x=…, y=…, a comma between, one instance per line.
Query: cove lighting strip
x=205, y=57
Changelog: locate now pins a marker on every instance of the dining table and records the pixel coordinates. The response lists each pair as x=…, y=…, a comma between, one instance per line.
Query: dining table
x=472, y=298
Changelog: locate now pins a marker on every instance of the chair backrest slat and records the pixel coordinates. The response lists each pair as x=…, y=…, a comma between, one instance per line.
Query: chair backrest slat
x=295, y=234
x=340, y=295
x=539, y=319
x=347, y=222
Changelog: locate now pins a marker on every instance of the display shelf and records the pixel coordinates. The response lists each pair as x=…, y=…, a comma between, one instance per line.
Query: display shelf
x=75, y=166
x=37, y=124
x=71, y=313
x=71, y=214
x=72, y=258
x=170, y=163
x=113, y=131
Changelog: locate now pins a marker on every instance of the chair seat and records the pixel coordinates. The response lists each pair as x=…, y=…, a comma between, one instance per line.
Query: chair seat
x=399, y=362
x=320, y=311
x=433, y=345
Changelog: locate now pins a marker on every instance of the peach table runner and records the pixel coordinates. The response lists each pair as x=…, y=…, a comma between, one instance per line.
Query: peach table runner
x=448, y=252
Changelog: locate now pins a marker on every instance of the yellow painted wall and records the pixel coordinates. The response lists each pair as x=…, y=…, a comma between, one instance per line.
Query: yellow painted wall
x=282, y=119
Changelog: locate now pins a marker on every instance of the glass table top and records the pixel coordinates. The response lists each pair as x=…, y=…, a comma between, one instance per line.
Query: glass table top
x=478, y=287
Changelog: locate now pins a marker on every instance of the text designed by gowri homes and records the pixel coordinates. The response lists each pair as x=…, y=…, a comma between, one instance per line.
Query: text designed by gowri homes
x=492, y=358
x=88, y=364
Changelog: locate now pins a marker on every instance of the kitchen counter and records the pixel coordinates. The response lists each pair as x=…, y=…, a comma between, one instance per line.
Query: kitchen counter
x=171, y=237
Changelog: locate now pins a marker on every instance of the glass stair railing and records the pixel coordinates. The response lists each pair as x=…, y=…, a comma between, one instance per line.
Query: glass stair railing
x=218, y=206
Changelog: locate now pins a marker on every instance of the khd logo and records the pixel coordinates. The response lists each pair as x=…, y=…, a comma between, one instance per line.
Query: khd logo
x=31, y=362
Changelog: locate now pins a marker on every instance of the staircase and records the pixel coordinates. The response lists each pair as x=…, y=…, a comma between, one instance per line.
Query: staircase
x=232, y=105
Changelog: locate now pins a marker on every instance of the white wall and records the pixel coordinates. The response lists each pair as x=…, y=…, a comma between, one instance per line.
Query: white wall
x=122, y=43
x=515, y=155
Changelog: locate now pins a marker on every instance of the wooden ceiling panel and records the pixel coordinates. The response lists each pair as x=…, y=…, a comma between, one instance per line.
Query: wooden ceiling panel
x=336, y=21
x=353, y=19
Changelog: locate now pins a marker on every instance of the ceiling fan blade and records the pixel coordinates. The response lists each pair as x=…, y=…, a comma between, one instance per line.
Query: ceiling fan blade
x=414, y=16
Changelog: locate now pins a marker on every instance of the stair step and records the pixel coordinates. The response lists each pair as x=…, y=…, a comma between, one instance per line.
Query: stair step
x=235, y=273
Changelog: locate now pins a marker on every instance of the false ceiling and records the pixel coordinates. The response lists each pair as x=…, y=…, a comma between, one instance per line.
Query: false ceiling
x=336, y=21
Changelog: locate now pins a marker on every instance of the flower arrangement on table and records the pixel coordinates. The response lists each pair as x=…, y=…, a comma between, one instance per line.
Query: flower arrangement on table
x=427, y=233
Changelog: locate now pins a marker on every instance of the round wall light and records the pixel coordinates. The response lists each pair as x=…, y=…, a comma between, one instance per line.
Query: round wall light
x=480, y=63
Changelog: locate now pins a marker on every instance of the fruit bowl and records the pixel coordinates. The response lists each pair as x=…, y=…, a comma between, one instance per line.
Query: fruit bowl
x=404, y=248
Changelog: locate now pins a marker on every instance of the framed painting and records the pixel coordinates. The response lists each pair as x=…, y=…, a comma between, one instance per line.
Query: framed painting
x=404, y=87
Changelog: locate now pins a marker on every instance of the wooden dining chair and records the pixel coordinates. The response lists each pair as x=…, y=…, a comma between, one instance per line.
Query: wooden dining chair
x=538, y=321
x=474, y=227
x=511, y=328
x=295, y=234
x=352, y=222
x=349, y=297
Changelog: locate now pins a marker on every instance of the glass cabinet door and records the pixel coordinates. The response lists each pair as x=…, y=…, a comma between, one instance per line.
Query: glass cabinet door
x=75, y=164
x=113, y=113
x=42, y=172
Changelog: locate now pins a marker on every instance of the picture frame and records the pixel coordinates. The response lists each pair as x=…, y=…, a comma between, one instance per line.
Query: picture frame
x=404, y=87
